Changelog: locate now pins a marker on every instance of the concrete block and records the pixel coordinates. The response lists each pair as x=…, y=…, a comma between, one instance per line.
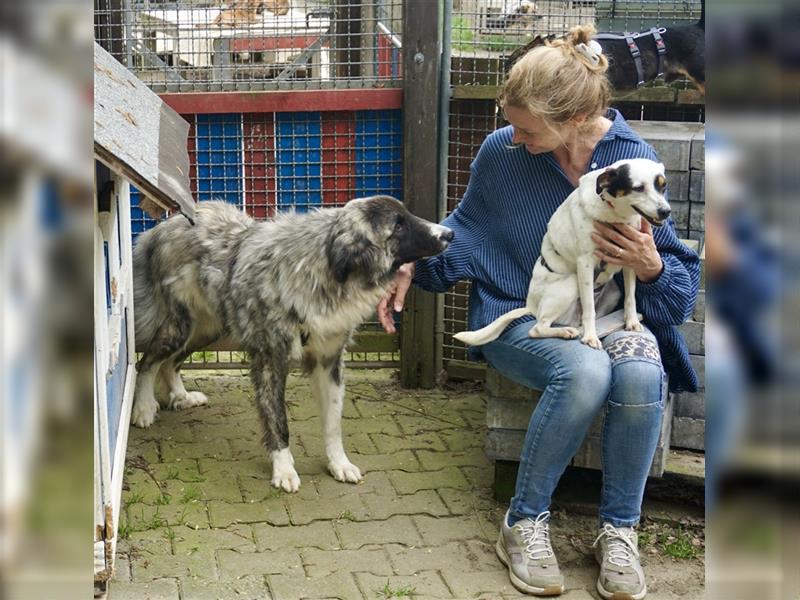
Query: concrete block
x=680, y=216
x=697, y=217
x=507, y=413
x=692, y=405
x=697, y=186
x=688, y=433
x=671, y=140
x=699, y=313
x=698, y=150
x=694, y=334
x=699, y=364
x=678, y=183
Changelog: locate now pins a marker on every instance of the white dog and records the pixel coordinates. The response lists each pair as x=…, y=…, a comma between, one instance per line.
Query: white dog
x=567, y=269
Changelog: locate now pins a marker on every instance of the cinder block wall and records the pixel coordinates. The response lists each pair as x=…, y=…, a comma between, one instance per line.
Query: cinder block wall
x=681, y=148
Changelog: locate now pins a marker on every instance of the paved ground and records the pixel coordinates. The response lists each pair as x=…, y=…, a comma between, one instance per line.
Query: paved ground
x=201, y=520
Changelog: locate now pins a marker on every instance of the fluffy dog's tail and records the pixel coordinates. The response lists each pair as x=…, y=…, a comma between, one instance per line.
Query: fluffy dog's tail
x=493, y=330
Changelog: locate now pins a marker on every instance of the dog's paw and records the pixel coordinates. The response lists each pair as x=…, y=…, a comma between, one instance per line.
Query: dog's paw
x=144, y=413
x=286, y=478
x=633, y=325
x=569, y=333
x=592, y=341
x=345, y=471
x=187, y=400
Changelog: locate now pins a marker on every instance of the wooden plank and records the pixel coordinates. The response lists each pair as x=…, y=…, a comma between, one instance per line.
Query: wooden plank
x=466, y=370
x=647, y=94
x=690, y=97
x=285, y=101
x=139, y=136
x=421, y=95
x=475, y=92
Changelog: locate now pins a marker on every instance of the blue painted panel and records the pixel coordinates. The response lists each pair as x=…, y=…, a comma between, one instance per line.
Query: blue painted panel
x=140, y=220
x=298, y=154
x=379, y=166
x=218, y=141
x=115, y=386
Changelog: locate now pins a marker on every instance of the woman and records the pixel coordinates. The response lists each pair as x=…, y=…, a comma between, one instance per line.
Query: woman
x=556, y=100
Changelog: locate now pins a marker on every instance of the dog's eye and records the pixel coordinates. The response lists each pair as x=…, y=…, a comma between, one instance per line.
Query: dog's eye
x=399, y=224
x=639, y=188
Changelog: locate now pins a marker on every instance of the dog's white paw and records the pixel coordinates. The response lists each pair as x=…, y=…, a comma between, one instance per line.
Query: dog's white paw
x=633, y=325
x=592, y=341
x=144, y=412
x=569, y=333
x=345, y=471
x=286, y=478
x=187, y=400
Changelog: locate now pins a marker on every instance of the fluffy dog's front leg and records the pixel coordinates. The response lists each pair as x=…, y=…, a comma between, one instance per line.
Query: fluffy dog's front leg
x=269, y=373
x=631, y=318
x=585, y=266
x=327, y=381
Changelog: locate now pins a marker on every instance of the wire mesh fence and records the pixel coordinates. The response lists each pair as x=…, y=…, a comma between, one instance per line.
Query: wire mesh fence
x=484, y=33
x=217, y=45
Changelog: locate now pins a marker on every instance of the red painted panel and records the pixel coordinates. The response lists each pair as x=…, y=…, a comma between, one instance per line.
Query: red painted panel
x=272, y=43
x=285, y=101
x=384, y=57
x=258, y=146
x=338, y=157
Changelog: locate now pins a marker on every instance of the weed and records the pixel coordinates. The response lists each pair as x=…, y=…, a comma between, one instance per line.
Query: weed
x=402, y=592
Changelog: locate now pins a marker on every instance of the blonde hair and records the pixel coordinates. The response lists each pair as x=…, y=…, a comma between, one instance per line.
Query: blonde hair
x=558, y=81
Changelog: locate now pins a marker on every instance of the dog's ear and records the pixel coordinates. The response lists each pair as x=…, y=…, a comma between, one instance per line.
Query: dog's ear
x=347, y=253
x=605, y=179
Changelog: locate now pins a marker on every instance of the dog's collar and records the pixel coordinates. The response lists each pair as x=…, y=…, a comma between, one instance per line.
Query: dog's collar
x=633, y=48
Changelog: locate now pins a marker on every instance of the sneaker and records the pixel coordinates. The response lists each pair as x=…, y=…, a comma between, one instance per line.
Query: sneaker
x=621, y=575
x=525, y=549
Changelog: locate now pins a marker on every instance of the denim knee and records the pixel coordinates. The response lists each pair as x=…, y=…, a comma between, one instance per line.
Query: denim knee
x=637, y=383
x=586, y=383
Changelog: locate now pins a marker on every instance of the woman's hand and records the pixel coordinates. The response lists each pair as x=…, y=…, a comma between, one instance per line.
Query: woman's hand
x=395, y=297
x=622, y=245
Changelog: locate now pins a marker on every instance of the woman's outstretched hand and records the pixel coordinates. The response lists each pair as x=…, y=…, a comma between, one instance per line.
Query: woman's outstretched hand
x=395, y=298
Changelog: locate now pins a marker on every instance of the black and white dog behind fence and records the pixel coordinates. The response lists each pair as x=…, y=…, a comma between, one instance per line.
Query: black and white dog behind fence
x=289, y=291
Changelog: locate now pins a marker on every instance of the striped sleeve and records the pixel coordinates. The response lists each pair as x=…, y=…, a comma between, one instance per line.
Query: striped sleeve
x=469, y=224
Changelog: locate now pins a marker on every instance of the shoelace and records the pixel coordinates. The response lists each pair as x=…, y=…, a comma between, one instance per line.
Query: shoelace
x=536, y=535
x=621, y=547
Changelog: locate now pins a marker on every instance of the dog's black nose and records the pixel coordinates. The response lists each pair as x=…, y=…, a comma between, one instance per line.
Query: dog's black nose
x=663, y=213
x=447, y=236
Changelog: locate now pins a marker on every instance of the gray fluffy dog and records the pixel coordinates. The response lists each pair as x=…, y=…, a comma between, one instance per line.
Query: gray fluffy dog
x=290, y=290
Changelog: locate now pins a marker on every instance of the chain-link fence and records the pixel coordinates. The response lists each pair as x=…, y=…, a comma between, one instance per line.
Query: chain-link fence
x=249, y=45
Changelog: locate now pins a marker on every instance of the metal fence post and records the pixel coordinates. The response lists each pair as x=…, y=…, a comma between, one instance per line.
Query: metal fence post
x=421, y=67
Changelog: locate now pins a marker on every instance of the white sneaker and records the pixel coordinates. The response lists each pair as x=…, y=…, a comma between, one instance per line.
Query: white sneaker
x=525, y=549
x=617, y=552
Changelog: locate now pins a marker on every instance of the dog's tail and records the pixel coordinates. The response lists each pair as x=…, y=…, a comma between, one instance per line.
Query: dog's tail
x=493, y=330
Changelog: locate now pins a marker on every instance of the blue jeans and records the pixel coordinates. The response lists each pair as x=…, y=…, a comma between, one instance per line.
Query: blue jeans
x=626, y=380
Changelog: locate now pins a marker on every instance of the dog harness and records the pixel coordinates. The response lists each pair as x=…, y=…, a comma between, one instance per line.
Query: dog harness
x=636, y=54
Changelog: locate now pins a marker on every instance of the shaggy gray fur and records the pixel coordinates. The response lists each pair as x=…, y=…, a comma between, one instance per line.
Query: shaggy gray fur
x=290, y=289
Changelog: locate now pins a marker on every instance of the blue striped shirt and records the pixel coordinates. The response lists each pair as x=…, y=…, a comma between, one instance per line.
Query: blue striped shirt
x=500, y=223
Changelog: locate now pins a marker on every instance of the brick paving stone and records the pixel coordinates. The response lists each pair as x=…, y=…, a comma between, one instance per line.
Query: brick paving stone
x=408, y=483
x=218, y=487
x=439, y=530
x=188, y=541
x=320, y=563
x=144, y=449
x=122, y=567
x=479, y=477
x=233, y=565
x=259, y=489
x=463, y=439
x=461, y=502
x=152, y=542
x=218, y=448
x=484, y=584
x=404, y=460
x=223, y=514
x=304, y=511
x=160, y=589
x=466, y=557
x=433, y=461
x=414, y=423
x=314, y=447
x=383, y=506
x=176, y=432
x=184, y=470
x=144, y=568
x=339, y=585
x=146, y=516
x=373, y=483
x=387, y=444
x=256, y=467
x=248, y=587
x=423, y=585
x=396, y=530
x=319, y=534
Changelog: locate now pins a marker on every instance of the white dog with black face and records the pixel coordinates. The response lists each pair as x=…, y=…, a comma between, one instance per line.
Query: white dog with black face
x=567, y=275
